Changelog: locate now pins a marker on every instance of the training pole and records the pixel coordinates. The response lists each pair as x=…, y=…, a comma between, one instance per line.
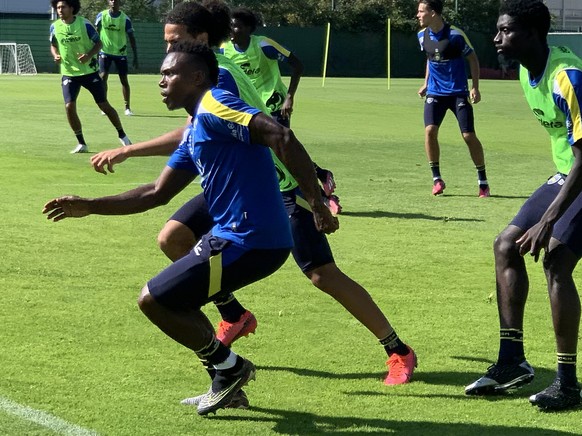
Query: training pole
x=388, y=50
x=325, y=53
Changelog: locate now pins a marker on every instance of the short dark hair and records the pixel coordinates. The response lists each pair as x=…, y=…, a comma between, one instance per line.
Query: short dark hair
x=531, y=14
x=75, y=4
x=434, y=5
x=211, y=16
x=198, y=54
x=248, y=17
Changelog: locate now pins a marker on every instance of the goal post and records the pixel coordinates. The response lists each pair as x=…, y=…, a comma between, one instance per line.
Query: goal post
x=16, y=58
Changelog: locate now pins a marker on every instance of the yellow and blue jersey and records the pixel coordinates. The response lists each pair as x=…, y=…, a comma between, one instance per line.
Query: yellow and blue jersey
x=238, y=177
x=446, y=74
x=555, y=99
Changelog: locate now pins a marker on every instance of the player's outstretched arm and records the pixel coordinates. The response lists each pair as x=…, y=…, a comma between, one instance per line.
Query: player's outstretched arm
x=137, y=200
x=264, y=130
x=164, y=145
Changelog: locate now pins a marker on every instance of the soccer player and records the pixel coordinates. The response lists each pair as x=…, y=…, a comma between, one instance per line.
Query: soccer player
x=115, y=29
x=445, y=88
x=259, y=58
x=74, y=45
x=251, y=237
x=189, y=21
x=551, y=219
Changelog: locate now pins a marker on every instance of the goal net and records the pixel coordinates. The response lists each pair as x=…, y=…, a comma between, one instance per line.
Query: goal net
x=16, y=59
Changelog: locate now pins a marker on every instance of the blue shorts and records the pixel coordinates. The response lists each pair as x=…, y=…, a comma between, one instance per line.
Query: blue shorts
x=568, y=229
x=436, y=106
x=310, y=247
x=120, y=62
x=92, y=82
x=194, y=214
x=214, y=267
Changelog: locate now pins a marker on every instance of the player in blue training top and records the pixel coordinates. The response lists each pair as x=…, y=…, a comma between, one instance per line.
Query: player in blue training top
x=115, y=29
x=550, y=220
x=191, y=21
x=445, y=88
x=251, y=237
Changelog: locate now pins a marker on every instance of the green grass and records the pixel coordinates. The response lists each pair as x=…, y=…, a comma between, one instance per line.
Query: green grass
x=75, y=345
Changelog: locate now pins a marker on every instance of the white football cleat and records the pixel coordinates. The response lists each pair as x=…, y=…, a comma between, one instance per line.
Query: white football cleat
x=128, y=112
x=80, y=148
x=125, y=141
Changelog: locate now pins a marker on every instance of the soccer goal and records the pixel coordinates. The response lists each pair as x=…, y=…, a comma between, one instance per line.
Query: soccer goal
x=16, y=59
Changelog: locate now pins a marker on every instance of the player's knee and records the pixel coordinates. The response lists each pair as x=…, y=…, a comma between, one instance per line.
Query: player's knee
x=504, y=246
x=145, y=301
x=175, y=240
x=558, y=264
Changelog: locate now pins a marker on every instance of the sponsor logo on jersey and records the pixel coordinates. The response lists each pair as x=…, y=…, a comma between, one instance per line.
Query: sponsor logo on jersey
x=246, y=67
x=548, y=124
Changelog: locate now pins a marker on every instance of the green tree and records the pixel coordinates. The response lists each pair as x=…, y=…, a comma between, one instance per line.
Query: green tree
x=137, y=10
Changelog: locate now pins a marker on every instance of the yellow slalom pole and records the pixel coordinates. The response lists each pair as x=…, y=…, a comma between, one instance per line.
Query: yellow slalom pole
x=325, y=53
x=388, y=50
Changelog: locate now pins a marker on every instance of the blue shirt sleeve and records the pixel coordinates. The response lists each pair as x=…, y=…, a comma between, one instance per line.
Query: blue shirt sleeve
x=567, y=95
x=52, y=35
x=98, y=19
x=128, y=26
x=274, y=50
x=93, y=35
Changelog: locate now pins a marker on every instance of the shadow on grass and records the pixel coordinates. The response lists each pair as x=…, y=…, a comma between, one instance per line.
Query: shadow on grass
x=407, y=216
x=303, y=423
x=543, y=377
x=184, y=116
x=510, y=197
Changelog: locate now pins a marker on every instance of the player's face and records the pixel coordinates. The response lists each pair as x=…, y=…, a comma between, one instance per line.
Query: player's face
x=179, y=33
x=114, y=4
x=240, y=31
x=512, y=39
x=179, y=81
x=64, y=11
x=424, y=15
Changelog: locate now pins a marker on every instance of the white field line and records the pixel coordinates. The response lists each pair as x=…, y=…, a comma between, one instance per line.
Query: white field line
x=43, y=419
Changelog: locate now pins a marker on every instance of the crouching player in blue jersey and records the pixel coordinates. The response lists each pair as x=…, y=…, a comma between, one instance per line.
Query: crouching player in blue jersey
x=251, y=237
x=551, y=219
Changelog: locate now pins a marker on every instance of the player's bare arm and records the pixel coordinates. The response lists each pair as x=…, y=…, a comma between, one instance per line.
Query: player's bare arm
x=145, y=197
x=264, y=130
x=163, y=145
x=475, y=95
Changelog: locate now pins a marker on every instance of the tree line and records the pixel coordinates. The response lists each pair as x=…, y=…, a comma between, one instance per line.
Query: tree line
x=346, y=15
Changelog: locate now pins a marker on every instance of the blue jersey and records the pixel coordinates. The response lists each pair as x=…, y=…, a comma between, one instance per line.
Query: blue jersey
x=238, y=177
x=446, y=74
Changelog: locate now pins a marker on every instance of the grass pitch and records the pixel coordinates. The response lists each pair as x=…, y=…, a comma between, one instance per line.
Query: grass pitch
x=78, y=357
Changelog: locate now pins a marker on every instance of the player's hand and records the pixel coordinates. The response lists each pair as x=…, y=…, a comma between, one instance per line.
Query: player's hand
x=57, y=59
x=422, y=91
x=324, y=221
x=535, y=239
x=83, y=58
x=104, y=161
x=66, y=207
x=287, y=108
x=475, y=96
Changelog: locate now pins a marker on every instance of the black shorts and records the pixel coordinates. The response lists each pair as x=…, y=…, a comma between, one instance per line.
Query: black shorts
x=194, y=214
x=310, y=247
x=568, y=229
x=92, y=82
x=436, y=106
x=120, y=62
x=214, y=267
